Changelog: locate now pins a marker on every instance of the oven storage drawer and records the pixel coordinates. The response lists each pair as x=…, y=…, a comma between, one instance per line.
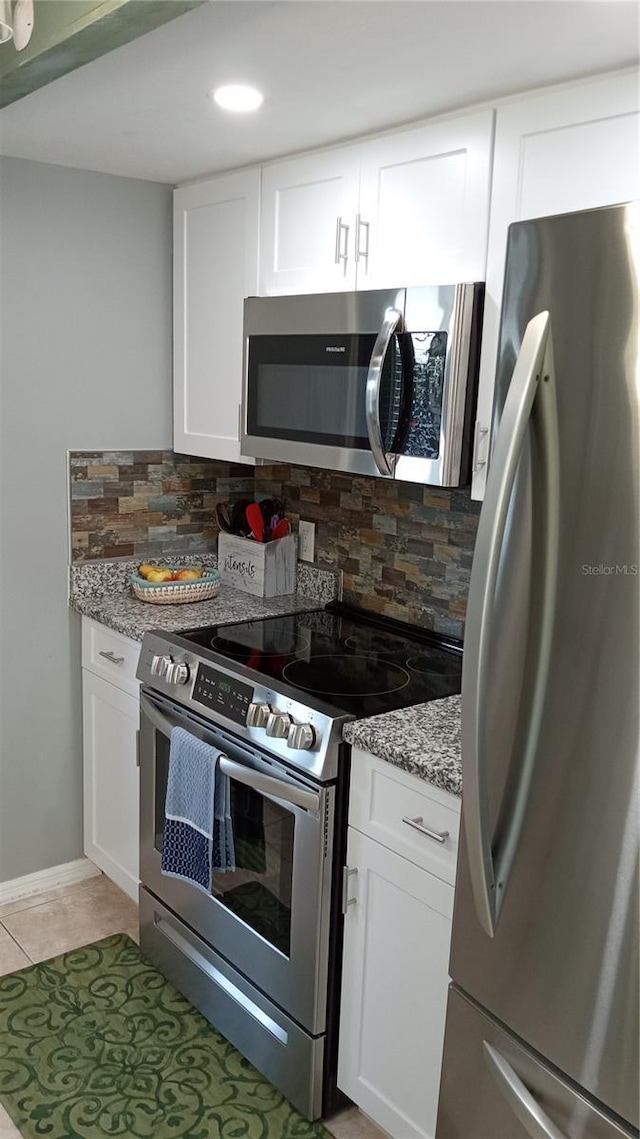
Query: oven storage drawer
x=275, y=1044
x=110, y=655
x=382, y=797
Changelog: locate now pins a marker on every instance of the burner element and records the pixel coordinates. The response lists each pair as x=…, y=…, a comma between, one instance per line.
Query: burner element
x=433, y=662
x=286, y=644
x=372, y=641
x=353, y=675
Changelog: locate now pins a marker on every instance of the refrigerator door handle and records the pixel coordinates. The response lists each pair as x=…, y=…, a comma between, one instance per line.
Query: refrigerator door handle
x=535, y=1121
x=532, y=377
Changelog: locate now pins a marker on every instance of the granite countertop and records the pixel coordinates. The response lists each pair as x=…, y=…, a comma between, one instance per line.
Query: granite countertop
x=101, y=590
x=423, y=739
x=134, y=618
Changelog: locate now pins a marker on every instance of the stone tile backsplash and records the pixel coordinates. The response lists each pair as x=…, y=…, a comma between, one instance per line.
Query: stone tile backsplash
x=143, y=504
x=405, y=550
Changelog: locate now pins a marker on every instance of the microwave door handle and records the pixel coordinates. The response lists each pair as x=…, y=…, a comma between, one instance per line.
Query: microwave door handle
x=391, y=323
x=267, y=785
x=407, y=391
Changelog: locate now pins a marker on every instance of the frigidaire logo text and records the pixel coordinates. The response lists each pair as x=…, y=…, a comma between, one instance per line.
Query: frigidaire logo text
x=334, y=348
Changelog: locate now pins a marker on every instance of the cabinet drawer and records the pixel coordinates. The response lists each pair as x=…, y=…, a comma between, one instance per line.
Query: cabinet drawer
x=383, y=796
x=110, y=655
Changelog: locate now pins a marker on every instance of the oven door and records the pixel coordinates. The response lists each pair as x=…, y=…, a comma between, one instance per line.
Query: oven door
x=270, y=917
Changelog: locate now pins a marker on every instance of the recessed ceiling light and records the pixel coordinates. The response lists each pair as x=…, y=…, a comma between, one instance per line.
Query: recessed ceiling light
x=237, y=97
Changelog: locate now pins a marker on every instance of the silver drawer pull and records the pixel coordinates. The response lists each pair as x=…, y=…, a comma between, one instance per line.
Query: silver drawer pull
x=347, y=871
x=418, y=825
x=112, y=657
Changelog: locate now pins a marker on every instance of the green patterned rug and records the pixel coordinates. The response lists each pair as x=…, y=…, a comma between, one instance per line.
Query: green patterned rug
x=97, y=1043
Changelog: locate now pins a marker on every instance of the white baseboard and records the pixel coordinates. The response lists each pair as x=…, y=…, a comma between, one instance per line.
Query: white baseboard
x=50, y=879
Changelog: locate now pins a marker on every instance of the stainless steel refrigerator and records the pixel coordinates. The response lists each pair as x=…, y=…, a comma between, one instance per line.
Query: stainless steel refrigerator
x=542, y=1018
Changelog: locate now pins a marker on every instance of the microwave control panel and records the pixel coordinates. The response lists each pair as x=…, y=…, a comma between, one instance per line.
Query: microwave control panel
x=222, y=693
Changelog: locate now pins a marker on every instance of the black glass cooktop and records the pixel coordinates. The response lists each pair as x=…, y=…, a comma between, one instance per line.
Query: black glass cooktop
x=358, y=665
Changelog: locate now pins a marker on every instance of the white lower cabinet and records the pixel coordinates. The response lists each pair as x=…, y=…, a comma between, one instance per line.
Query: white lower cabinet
x=111, y=775
x=395, y=971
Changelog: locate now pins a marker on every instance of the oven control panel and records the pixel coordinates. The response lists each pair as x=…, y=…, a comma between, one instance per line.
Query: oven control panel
x=222, y=693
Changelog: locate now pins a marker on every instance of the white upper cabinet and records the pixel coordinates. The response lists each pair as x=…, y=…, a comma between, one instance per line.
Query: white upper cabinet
x=573, y=148
x=215, y=268
x=309, y=206
x=408, y=208
x=424, y=204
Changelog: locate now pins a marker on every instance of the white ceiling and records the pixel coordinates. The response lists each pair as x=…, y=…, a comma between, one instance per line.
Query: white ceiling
x=329, y=69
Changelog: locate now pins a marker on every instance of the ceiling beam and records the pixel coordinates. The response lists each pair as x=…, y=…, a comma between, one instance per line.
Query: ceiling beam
x=69, y=33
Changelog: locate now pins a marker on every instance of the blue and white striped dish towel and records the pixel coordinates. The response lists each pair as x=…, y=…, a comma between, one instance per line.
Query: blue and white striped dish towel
x=198, y=832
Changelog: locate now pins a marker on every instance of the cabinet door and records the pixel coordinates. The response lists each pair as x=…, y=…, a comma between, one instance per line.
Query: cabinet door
x=111, y=793
x=394, y=989
x=215, y=268
x=575, y=148
x=309, y=207
x=424, y=204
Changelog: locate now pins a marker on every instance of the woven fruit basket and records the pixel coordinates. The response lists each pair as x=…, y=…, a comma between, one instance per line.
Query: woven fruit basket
x=177, y=592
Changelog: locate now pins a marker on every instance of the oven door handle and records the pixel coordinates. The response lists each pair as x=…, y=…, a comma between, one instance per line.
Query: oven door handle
x=275, y=788
x=158, y=719
x=267, y=784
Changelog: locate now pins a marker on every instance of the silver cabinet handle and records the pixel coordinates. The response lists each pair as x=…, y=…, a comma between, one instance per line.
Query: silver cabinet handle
x=347, y=871
x=112, y=657
x=531, y=396
x=418, y=825
x=535, y=1121
x=390, y=324
x=362, y=254
x=481, y=434
x=342, y=254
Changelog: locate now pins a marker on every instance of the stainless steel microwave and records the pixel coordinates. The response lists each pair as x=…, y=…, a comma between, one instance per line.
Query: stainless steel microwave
x=381, y=382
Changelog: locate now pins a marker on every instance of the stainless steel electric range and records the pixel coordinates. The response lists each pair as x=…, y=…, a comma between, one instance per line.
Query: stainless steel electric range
x=261, y=954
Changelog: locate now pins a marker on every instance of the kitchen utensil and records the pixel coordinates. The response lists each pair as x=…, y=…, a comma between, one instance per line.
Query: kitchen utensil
x=224, y=517
x=282, y=529
x=255, y=520
x=271, y=508
x=239, y=524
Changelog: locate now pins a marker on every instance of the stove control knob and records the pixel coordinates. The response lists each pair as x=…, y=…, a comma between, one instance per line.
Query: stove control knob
x=258, y=715
x=301, y=736
x=160, y=666
x=278, y=725
x=178, y=673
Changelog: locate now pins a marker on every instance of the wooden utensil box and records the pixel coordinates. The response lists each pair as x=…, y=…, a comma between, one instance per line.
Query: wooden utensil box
x=265, y=569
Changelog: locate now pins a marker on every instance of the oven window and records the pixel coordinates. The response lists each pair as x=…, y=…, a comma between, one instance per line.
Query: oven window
x=259, y=890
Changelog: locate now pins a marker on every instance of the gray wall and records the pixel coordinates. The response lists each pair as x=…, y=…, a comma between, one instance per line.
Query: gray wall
x=85, y=334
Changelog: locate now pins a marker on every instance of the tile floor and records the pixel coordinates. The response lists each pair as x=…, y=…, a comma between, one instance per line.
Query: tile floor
x=44, y=925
